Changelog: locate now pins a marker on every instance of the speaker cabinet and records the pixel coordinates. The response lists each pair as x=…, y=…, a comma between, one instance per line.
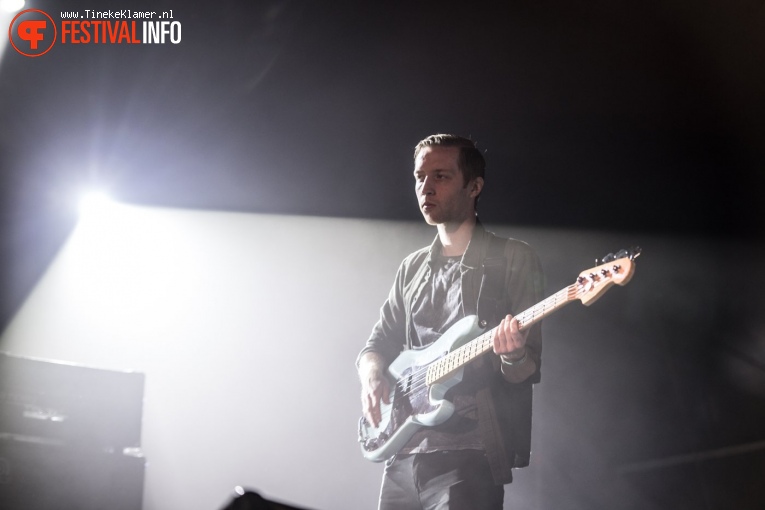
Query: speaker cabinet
x=39, y=476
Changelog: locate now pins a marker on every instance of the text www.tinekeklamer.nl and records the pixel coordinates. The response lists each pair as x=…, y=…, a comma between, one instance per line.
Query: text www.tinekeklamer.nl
x=119, y=27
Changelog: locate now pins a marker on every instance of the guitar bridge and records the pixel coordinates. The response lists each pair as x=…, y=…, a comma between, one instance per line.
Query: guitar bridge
x=370, y=443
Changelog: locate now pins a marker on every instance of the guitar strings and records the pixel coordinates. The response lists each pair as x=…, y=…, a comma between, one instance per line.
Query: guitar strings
x=418, y=378
x=483, y=341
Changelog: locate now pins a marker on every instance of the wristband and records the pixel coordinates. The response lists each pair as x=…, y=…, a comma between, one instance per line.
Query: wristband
x=515, y=362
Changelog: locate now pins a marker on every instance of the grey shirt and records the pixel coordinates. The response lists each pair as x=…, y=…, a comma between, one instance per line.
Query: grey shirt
x=438, y=308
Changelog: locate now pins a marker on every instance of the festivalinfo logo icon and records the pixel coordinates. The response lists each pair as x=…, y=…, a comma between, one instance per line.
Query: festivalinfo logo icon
x=34, y=32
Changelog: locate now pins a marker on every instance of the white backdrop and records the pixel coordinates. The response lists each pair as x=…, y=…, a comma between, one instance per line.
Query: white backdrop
x=247, y=327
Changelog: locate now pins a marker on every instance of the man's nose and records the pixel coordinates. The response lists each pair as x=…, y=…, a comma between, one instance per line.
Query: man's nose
x=427, y=186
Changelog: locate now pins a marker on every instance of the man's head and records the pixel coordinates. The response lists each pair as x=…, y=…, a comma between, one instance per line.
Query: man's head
x=471, y=162
x=446, y=192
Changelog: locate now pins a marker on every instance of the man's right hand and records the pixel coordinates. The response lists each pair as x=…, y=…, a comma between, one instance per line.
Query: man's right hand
x=375, y=387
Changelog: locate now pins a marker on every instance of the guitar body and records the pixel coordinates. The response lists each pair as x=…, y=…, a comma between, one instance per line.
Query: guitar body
x=412, y=403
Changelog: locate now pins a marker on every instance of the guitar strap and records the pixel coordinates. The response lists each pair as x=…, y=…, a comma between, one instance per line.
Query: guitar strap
x=491, y=293
x=489, y=310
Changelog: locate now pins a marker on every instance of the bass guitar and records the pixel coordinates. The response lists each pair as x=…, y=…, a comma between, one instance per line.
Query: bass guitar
x=420, y=378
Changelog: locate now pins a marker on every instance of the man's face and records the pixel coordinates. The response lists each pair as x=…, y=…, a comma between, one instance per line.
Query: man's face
x=440, y=186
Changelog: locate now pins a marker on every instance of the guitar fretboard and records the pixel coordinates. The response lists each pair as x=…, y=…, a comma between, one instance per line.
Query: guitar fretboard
x=458, y=358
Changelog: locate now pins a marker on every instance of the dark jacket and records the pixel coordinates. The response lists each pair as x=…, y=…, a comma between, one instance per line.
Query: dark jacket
x=504, y=408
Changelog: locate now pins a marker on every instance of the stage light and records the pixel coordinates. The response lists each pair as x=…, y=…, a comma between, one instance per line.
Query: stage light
x=95, y=204
x=7, y=10
x=11, y=5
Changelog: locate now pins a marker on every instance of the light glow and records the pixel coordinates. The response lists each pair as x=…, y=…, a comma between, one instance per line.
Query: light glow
x=95, y=203
x=11, y=5
x=7, y=10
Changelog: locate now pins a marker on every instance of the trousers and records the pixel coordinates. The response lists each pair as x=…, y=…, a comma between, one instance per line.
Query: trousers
x=445, y=480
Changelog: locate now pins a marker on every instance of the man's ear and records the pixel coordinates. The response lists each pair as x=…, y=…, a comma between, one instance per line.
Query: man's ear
x=476, y=186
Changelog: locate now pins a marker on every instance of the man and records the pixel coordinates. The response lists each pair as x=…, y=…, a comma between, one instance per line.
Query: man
x=463, y=462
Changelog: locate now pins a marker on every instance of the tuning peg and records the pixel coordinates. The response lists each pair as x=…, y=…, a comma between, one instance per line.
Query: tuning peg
x=632, y=253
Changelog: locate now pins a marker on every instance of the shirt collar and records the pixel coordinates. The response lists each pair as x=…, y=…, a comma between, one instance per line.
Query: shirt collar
x=473, y=255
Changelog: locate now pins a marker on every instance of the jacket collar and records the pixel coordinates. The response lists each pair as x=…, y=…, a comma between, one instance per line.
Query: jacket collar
x=474, y=254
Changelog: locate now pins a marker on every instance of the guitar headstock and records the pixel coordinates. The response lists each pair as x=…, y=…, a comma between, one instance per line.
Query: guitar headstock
x=615, y=268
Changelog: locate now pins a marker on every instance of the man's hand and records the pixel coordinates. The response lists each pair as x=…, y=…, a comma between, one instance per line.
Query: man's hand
x=509, y=341
x=375, y=387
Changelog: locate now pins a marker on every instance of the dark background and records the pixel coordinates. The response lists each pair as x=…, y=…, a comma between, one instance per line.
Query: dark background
x=640, y=117
x=597, y=115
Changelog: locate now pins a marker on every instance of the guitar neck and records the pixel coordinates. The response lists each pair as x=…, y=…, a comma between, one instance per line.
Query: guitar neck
x=544, y=308
x=458, y=358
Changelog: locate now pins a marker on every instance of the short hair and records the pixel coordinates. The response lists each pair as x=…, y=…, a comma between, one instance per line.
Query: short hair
x=471, y=162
